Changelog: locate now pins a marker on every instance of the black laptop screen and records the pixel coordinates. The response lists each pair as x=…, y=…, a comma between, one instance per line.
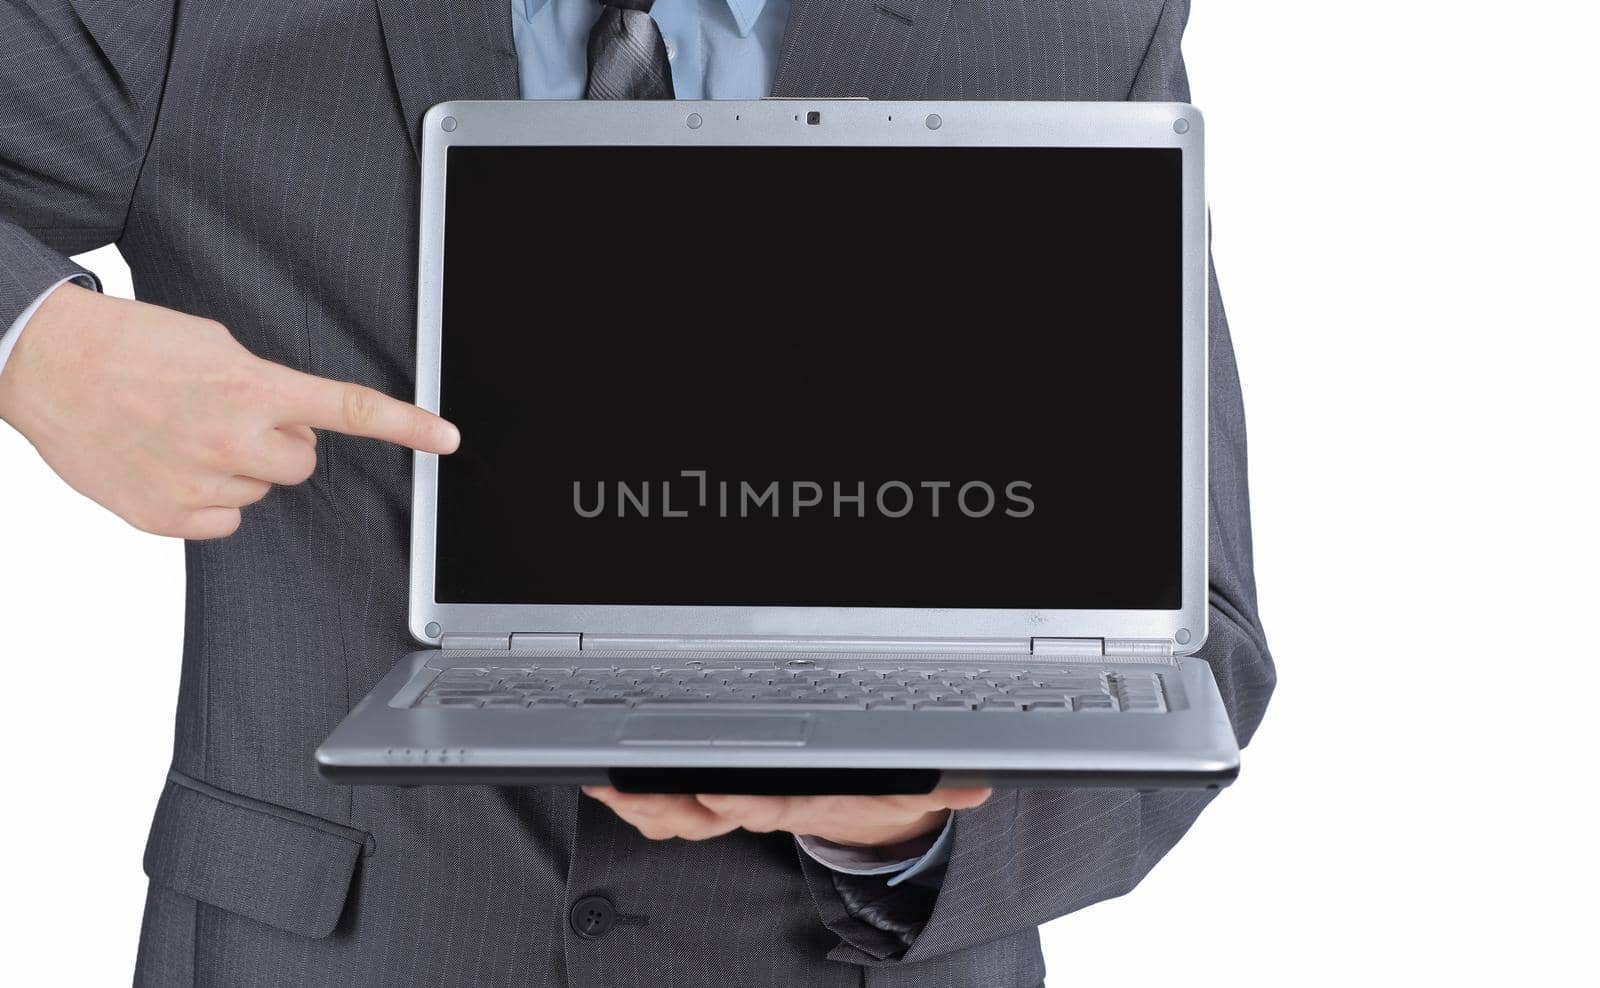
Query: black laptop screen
x=812, y=377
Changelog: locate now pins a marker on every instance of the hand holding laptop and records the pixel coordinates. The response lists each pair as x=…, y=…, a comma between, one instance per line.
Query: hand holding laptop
x=168, y=421
x=857, y=821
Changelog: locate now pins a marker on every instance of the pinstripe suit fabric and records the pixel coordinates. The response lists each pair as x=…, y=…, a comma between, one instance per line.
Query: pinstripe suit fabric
x=255, y=162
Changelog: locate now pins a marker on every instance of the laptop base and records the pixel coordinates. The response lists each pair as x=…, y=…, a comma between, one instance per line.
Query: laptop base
x=395, y=737
x=774, y=782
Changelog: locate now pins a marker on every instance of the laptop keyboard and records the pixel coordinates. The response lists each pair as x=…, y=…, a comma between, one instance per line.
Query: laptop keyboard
x=801, y=684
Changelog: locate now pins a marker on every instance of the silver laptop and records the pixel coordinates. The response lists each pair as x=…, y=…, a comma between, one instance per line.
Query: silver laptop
x=808, y=446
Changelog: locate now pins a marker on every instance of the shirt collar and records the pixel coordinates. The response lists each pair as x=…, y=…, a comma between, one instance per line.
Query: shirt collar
x=745, y=12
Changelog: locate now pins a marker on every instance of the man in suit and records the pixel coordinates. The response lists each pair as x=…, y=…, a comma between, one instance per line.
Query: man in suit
x=256, y=165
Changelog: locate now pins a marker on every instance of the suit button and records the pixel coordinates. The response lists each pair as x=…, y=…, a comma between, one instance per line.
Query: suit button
x=592, y=916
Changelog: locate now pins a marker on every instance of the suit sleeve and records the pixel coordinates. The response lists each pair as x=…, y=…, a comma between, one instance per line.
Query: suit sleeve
x=1029, y=856
x=82, y=82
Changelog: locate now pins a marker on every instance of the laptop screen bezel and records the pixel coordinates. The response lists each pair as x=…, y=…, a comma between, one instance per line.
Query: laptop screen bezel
x=843, y=123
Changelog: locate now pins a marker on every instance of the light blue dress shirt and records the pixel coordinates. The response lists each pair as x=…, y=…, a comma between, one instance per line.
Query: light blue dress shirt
x=718, y=49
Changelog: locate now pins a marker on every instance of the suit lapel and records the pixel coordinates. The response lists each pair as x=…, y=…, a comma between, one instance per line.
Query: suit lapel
x=447, y=49
x=881, y=49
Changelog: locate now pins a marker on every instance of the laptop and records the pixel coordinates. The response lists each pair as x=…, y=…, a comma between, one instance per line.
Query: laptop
x=811, y=446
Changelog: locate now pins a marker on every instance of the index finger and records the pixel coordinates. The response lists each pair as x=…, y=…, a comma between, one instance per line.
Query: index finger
x=356, y=410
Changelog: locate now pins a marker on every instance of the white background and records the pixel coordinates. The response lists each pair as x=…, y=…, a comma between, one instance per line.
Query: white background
x=1405, y=229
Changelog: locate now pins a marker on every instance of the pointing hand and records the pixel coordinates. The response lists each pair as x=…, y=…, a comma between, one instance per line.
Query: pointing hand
x=169, y=422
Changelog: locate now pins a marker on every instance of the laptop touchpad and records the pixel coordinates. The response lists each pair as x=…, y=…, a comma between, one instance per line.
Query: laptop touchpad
x=716, y=729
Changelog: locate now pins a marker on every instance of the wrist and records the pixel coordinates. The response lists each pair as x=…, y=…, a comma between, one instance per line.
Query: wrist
x=910, y=841
x=916, y=845
x=64, y=302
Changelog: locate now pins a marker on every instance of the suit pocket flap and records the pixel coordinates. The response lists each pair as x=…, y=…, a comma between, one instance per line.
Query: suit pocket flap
x=272, y=864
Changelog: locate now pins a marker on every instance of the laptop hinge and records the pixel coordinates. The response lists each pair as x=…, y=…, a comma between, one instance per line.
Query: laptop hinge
x=750, y=643
x=1069, y=646
x=470, y=641
x=541, y=640
x=1107, y=649
x=1154, y=648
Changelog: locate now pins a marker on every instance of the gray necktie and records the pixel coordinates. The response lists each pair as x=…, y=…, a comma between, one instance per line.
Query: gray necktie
x=627, y=58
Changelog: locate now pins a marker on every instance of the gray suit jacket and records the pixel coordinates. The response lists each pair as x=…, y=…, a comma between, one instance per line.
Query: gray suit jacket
x=256, y=164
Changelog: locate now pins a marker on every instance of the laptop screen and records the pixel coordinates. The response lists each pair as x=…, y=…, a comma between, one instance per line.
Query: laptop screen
x=852, y=377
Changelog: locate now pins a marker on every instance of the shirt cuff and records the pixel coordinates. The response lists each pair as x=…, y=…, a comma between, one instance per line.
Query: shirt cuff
x=8, y=338
x=865, y=861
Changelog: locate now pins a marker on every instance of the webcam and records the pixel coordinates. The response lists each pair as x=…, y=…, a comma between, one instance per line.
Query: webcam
x=813, y=117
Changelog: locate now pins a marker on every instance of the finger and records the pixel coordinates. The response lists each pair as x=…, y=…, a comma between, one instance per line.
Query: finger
x=281, y=458
x=664, y=818
x=236, y=492
x=207, y=523
x=761, y=814
x=360, y=411
x=304, y=433
x=915, y=804
x=867, y=816
x=961, y=797
x=643, y=806
x=828, y=814
x=659, y=817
